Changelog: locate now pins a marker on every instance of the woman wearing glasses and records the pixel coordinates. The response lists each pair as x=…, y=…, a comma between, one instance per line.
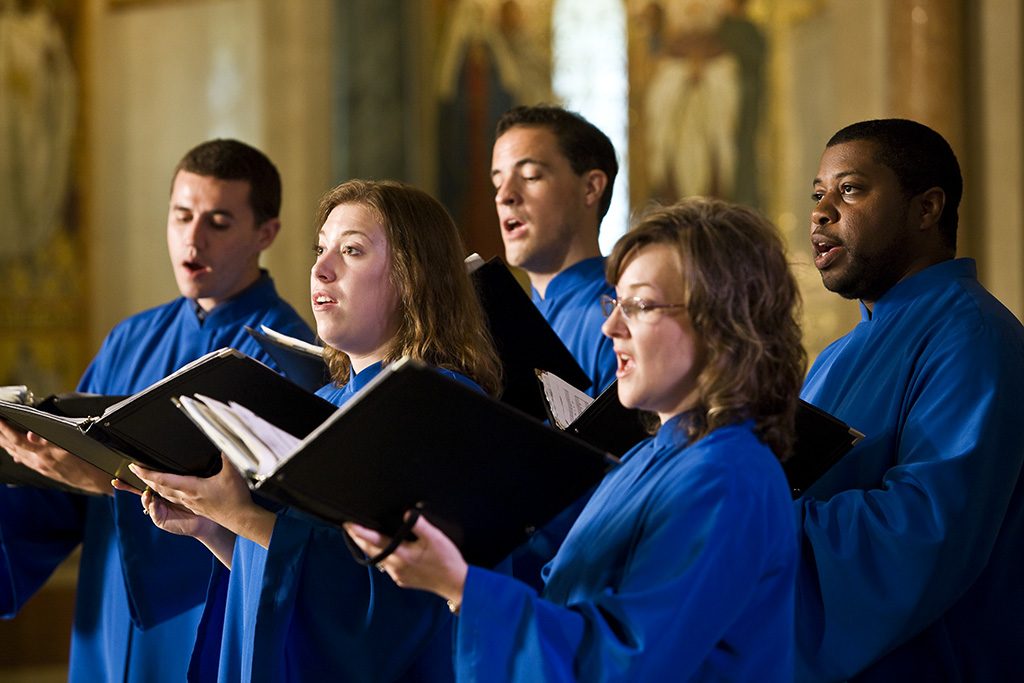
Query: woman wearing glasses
x=682, y=565
x=388, y=281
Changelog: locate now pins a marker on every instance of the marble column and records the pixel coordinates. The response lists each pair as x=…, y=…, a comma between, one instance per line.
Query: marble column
x=926, y=56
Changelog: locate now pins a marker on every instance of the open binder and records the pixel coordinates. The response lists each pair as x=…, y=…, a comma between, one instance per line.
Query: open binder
x=524, y=340
x=602, y=422
x=821, y=438
x=300, y=361
x=483, y=472
x=146, y=428
x=71, y=404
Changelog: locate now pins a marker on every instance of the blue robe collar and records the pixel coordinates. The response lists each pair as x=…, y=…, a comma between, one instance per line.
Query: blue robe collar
x=360, y=380
x=239, y=306
x=356, y=381
x=673, y=434
x=569, y=279
x=907, y=290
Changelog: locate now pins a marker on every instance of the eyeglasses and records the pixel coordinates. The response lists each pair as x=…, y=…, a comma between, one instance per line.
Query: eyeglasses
x=635, y=308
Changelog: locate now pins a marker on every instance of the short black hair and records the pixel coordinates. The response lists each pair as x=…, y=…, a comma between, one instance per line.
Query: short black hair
x=582, y=143
x=234, y=160
x=920, y=158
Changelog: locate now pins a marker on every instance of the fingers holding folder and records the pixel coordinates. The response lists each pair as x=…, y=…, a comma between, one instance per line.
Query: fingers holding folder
x=430, y=562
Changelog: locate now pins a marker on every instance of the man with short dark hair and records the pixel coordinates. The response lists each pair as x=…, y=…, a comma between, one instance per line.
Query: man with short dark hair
x=141, y=590
x=912, y=556
x=553, y=173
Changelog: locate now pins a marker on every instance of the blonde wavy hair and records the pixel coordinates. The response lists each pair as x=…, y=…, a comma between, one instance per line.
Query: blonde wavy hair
x=440, y=321
x=744, y=304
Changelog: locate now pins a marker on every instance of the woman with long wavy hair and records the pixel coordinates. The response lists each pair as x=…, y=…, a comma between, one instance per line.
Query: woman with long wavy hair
x=682, y=565
x=388, y=281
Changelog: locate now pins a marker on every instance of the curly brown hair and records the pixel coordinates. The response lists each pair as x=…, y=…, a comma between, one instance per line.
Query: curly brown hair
x=440, y=321
x=744, y=304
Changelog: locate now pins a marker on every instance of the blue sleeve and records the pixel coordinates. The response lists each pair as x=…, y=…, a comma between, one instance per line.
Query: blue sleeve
x=38, y=530
x=165, y=575
x=879, y=565
x=321, y=616
x=692, y=573
x=104, y=365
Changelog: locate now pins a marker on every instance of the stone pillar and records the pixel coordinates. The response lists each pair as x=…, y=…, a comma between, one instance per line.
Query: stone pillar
x=926, y=56
x=997, y=174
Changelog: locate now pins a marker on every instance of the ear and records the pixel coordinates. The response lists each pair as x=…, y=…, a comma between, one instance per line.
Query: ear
x=594, y=182
x=930, y=205
x=268, y=230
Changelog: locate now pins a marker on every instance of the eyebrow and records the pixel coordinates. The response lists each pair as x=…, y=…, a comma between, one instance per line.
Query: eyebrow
x=637, y=285
x=215, y=212
x=520, y=163
x=840, y=174
x=346, y=233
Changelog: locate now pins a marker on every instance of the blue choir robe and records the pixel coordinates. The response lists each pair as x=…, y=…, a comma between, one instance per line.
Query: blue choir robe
x=304, y=610
x=912, y=557
x=140, y=589
x=681, y=567
x=572, y=306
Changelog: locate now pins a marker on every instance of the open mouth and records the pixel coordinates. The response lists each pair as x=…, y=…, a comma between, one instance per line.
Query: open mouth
x=320, y=299
x=826, y=250
x=512, y=224
x=625, y=364
x=194, y=266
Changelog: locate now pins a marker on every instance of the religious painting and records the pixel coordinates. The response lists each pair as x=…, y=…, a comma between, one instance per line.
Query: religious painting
x=492, y=55
x=697, y=98
x=43, y=263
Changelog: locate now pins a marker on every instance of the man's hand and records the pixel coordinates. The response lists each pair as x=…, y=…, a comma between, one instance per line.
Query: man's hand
x=53, y=461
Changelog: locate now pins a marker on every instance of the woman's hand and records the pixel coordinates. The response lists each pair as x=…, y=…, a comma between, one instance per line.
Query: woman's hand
x=431, y=562
x=175, y=518
x=223, y=498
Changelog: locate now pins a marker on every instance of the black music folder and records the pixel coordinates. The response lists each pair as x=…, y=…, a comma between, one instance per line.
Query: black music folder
x=821, y=441
x=484, y=472
x=523, y=339
x=146, y=427
x=71, y=404
x=602, y=422
x=301, y=362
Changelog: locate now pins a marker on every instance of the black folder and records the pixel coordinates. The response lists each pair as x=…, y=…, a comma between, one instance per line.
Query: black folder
x=148, y=429
x=307, y=370
x=523, y=339
x=607, y=424
x=821, y=441
x=71, y=404
x=486, y=473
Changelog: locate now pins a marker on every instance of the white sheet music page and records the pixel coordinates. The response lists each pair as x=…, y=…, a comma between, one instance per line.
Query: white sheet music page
x=220, y=433
x=292, y=343
x=473, y=261
x=266, y=443
x=16, y=393
x=565, y=401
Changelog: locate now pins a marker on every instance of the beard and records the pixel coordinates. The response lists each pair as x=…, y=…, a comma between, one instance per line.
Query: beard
x=870, y=273
x=863, y=278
